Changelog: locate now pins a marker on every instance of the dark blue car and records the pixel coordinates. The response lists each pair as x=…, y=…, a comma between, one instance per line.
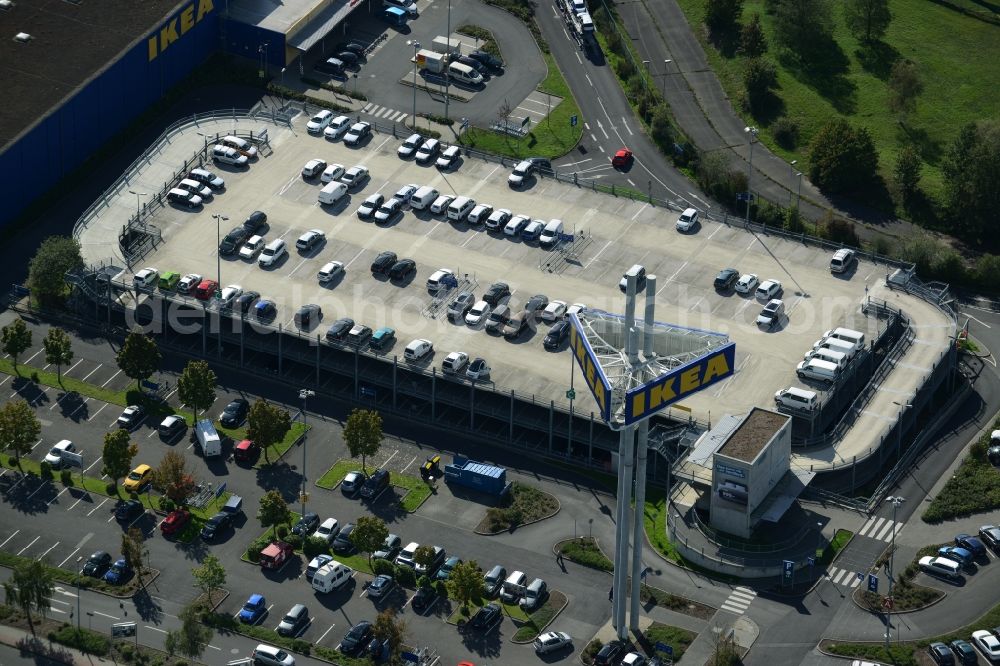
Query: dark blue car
x=119, y=572
x=971, y=543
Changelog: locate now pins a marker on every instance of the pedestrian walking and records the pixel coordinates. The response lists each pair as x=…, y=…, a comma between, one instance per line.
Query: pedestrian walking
x=611, y=594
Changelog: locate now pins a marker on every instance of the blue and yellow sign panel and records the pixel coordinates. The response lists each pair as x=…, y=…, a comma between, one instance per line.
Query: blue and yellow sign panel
x=643, y=401
x=177, y=26
x=598, y=382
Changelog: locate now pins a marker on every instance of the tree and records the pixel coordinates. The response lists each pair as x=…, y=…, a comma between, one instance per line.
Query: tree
x=722, y=16
x=753, y=42
x=971, y=172
x=424, y=556
x=867, y=19
x=369, y=534
x=273, y=511
x=16, y=339
x=363, y=434
x=134, y=550
x=139, y=357
x=172, y=478
x=210, y=576
x=803, y=25
x=465, y=582
x=118, y=454
x=842, y=158
x=759, y=77
x=190, y=640
x=904, y=87
x=56, y=256
x=29, y=588
x=907, y=172
x=267, y=425
x=196, y=386
x=19, y=428
x=58, y=349
x=661, y=131
x=388, y=628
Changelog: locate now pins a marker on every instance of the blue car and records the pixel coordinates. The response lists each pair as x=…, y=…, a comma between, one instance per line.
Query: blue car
x=119, y=572
x=971, y=543
x=253, y=609
x=382, y=338
x=265, y=310
x=960, y=555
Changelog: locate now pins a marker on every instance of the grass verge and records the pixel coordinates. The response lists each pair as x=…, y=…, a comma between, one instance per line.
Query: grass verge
x=973, y=488
x=229, y=623
x=525, y=504
x=679, y=639
x=333, y=476
x=585, y=551
x=416, y=490
x=664, y=599
x=540, y=619
x=72, y=578
x=655, y=520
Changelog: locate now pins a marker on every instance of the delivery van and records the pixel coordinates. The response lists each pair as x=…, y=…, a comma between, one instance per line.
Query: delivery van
x=818, y=370
x=855, y=338
x=423, y=197
x=796, y=398
x=332, y=576
x=464, y=74
x=332, y=193
x=550, y=234
x=208, y=438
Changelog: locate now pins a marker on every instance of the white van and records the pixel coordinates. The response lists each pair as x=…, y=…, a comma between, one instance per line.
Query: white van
x=838, y=358
x=817, y=369
x=688, y=220
x=834, y=344
x=550, y=234
x=796, y=398
x=332, y=193
x=460, y=208
x=586, y=23
x=464, y=74
x=842, y=260
x=423, y=197
x=208, y=438
x=513, y=588
x=272, y=253
x=332, y=576
x=856, y=338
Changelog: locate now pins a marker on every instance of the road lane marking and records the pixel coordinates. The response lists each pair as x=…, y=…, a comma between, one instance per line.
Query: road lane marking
x=20, y=552
x=113, y=617
x=146, y=626
x=48, y=551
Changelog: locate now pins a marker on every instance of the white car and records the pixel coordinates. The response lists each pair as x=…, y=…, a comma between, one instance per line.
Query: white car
x=987, y=643
x=354, y=176
x=768, y=289
x=268, y=655
x=479, y=214
x=319, y=122
x=576, y=308
x=188, y=283
x=357, y=133
x=240, y=145
x=327, y=530
x=337, y=128
x=554, y=311
x=409, y=147
x=551, y=641
x=633, y=659
x=332, y=172
x=516, y=225
x=145, y=278
x=478, y=369
x=405, y=192
x=498, y=219
x=252, y=248
x=228, y=155
x=418, y=349
x=478, y=314
x=428, y=150
x=194, y=187
x=313, y=168
x=309, y=240
x=454, y=363
x=55, y=455
x=330, y=271
x=441, y=204
x=747, y=283
x=448, y=157
x=229, y=294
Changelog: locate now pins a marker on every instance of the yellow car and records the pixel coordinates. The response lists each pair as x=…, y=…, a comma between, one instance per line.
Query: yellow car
x=138, y=478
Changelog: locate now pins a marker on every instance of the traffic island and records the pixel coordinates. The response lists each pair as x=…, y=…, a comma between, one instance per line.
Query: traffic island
x=541, y=618
x=646, y=641
x=523, y=505
x=907, y=596
x=584, y=551
x=415, y=491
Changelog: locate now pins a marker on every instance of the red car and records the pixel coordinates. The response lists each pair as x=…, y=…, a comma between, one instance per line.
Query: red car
x=206, y=289
x=175, y=522
x=622, y=158
x=275, y=555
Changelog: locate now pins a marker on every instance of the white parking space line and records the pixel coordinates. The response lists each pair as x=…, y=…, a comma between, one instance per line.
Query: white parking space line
x=36, y=444
x=325, y=633
x=57, y=496
x=47, y=551
x=66, y=372
x=6, y=379
x=360, y=252
x=57, y=610
x=99, y=366
x=379, y=147
x=91, y=417
x=297, y=267
x=20, y=552
x=594, y=258
x=150, y=435
x=75, y=551
x=9, y=538
x=641, y=208
x=146, y=626
x=408, y=465
x=92, y=464
x=109, y=379
x=106, y=500
x=81, y=406
x=284, y=188
x=578, y=58
x=44, y=485
x=631, y=182
x=33, y=357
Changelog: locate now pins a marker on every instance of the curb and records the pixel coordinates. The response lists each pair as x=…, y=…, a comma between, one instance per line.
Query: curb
x=854, y=600
x=551, y=620
x=517, y=527
x=555, y=551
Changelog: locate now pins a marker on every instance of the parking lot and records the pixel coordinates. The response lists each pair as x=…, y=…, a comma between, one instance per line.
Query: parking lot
x=616, y=233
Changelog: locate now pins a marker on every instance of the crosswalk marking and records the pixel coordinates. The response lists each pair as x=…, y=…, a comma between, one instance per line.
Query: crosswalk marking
x=739, y=600
x=843, y=577
x=880, y=529
x=384, y=112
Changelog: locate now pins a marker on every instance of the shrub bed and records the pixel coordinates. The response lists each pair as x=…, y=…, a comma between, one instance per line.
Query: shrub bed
x=973, y=488
x=585, y=551
x=524, y=504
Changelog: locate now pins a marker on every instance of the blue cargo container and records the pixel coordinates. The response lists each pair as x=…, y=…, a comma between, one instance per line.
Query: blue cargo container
x=479, y=476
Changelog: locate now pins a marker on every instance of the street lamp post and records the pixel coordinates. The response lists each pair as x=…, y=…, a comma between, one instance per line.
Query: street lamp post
x=262, y=50
x=282, y=88
x=416, y=47
x=137, y=199
x=666, y=66
x=218, y=241
x=79, y=574
x=752, y=132
x=896, y=501
x=798, y=194
x=645, y=76
x=304, y=394
x=790, y=172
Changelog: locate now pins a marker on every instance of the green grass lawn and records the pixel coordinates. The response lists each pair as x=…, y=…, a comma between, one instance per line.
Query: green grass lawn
x=275, y=451
x=586, y=552
x=959, y=73
x=540, y=619
x=333, y=476
x=973, y=488
x=679, y=639
x=655, y=520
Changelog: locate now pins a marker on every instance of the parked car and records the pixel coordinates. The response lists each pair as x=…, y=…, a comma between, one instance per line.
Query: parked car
x=119, y=572
x=941, y=654
x=128, y=510
x=217, y=525
x=971, y=543
x=988, y=644
x=390, y=548
x=342, y=543
x=964, y=651
x=357, y=638
x=188, y=283
x=252, y=247
x=609, y=654
x=330, y=271
x=382, y=338
x=381, y=587
x=358, y=133
x=389, y=210
x=496, y=293
x=97, y=564
x=337, y=127
x=310, y=240
x=410, y=146
x=402, y=270
x=235, y=413
x=487, y=59
x=327, y=530
x=307, y=314
x=339, y=329
x=726, y=278
x=354, y=176
x=990, y=534
x=138, y=478
x=747, y=283
x=175, y=521
x=306, y=525
x=366, y=210
x=486, y=617
x=319, y=122
x=551, y=641
x=557, y=335
x=56, y=457
x=772, y=314
x=351, y=485
x=478, y=369
x=254, y=609
x=478, y=313
x=383, y=263
x=428, y=151
x=423, y=599
x=254, y=222
x=268, y=655
x=295, y=620
x=445, y=571
x=317, y=563
x=417, y=349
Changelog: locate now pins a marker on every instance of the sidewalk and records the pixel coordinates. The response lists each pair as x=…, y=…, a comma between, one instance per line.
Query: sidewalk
x=28, y=644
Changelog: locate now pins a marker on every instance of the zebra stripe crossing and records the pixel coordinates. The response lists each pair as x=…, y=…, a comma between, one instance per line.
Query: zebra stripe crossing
x=843, y=577
x=384, y=112
x=739, y=600
x=880, y=529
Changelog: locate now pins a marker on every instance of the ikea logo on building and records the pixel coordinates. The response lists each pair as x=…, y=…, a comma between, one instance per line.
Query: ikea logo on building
x=653, y=396
x=177, y=27
x=598, y=382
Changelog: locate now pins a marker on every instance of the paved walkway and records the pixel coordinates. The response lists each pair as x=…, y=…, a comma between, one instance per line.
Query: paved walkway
x=46, y=651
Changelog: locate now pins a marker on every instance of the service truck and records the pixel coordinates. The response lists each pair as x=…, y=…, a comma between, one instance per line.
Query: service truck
x=433, y=62
x=208, y=438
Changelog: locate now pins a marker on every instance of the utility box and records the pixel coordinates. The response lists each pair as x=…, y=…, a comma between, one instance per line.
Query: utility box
x=432, y=61
x=479, y=476
x=449, y=46
x=208, y=438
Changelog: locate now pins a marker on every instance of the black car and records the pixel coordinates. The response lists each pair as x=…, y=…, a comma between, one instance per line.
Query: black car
x=475, y=65
x=97, y=564
x=972, y=544
x=342, y=543
x=339, y=329
x=402, y=269
x=990, y=535
x=536, y=302
x=265, y=310
x=128, y=510
x=557, y=334
x=965, y=652
x=349, y=58
x=487, y=59
x=307, y=525
x=353, y=47
x=941, y=654
x=993, y=455
x=368, y=207
x=726, y=278
x=610, y=654
x=375, y=484
x=235, y=413
x=357, y=638
x=233, y=241
x=254, y=222
x=486, y=616
x=307, y=314
x=216, y=525
x=496, y=292
x=422, y=600
x=246, y=300
x=383, y=263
